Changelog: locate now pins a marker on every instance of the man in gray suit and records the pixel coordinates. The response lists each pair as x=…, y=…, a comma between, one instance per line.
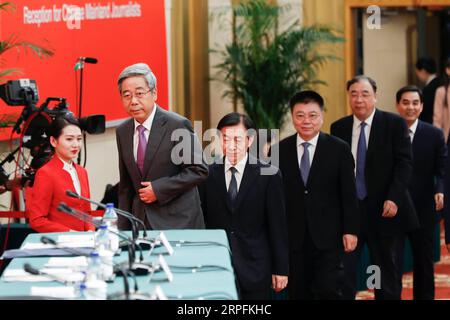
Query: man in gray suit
x=158, y=179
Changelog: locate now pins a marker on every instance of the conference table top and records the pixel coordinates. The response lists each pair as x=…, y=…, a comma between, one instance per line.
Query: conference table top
x=200, y=264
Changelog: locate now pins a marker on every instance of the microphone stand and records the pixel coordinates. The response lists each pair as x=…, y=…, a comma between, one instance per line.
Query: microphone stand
x=28, y=268
x=81, y=62
x=139, y=268
x=123, y=213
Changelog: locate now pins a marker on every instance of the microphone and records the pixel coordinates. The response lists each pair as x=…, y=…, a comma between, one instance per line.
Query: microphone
x=28, y=268
x=131, y=244
x=123, y=213
x=88, y=60
x=47, y=240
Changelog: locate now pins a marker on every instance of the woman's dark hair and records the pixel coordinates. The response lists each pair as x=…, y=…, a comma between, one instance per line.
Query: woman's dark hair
x=57, y=126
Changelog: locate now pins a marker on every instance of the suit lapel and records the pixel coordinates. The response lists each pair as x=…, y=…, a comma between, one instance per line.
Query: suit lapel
x=155, y=137
x=251, y=172
x=348, y=130
x=318, y=156
x=417, y=139
x=376, y=132
x=128, y=153
x=294, y=161
x=218, y=174
x=83, y=183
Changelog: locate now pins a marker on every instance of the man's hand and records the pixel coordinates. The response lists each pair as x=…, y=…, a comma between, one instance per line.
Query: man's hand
x=389, y=209
x=279, y=282
x=439, y=200
x=146, y=194
x=350, y=242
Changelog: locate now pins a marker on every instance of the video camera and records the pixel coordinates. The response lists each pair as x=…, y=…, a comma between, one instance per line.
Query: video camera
x=24, y=92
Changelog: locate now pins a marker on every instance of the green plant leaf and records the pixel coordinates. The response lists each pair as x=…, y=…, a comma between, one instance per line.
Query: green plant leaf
x=263, y=68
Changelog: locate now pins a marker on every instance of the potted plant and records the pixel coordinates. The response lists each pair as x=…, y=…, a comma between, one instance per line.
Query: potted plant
x=264, y=65
x=15, y=42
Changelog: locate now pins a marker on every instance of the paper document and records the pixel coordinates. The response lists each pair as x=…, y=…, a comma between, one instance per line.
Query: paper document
x=76, y=262
x=65, y=274
x=54, y=292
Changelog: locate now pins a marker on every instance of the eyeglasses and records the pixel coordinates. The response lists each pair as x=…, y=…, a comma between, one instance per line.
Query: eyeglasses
x=138, y=94
x=312, y=117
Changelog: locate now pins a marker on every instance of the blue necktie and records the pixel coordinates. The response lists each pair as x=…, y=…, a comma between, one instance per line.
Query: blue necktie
x=361, y=190
x=232, y=189
x=305, y=164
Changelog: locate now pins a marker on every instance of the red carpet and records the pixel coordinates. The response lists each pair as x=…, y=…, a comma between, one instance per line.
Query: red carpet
x=442, y=278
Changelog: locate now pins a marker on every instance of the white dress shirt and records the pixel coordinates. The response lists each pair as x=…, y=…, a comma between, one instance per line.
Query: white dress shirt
x=240, y=167
x=412, y=129
x=357, y=130
x=70, y=168
x=147, y=125
x=311, y=148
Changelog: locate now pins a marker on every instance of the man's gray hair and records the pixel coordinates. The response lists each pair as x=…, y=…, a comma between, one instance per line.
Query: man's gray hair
x=137, y=70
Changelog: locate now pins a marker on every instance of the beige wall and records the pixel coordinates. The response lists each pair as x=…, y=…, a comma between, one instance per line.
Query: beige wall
x=102, y=162
x=331, y=13
x=385, y=52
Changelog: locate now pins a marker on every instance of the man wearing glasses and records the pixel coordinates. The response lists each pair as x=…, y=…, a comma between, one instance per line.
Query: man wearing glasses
x=321, y=205
x=157, y=185
x=381, y=147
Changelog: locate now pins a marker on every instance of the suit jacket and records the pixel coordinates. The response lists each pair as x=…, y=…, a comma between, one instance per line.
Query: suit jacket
x=429, y=161
x=256, y=228
x=429, y=92
x=49, y=190
x=327, y=204
x=388, y=171
x=174, y=180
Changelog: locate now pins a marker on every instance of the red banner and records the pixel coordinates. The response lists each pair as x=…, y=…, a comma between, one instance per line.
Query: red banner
x=117, y=33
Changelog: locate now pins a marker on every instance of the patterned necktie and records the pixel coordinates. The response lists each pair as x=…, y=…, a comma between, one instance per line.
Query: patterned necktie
x=142, y=146
x=361, y=190
x=232, y=189
x=305, y=164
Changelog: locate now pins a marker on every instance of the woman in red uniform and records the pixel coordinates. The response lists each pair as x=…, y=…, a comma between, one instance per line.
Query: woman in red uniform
x=55, y=177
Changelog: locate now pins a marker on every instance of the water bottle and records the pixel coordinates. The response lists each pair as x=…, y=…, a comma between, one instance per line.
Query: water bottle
x=110, y=220
x=80, y=289
x=101, y=240
x=94, y=267
x=94, y=288
x=103, y=247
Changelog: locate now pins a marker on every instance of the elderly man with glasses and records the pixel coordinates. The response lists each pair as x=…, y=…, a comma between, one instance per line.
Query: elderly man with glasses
x=158, y=174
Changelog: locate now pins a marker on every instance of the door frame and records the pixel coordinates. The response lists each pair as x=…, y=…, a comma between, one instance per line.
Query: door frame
x=349, y=28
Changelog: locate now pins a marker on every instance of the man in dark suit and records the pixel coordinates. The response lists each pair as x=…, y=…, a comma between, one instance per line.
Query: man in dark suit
x=245, y=197
x=426, y=72
x=321, y=204
x=157, y=184
x=382, y=150
x=426, y=187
